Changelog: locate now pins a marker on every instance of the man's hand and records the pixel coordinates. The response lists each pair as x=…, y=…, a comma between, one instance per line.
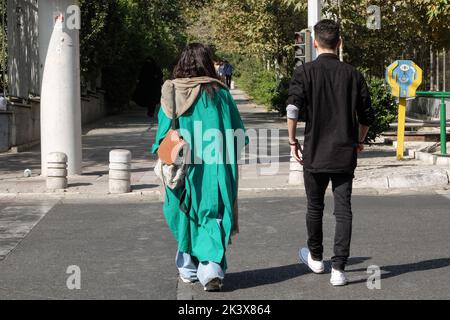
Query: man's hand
x=360, y=147
x=296, y=151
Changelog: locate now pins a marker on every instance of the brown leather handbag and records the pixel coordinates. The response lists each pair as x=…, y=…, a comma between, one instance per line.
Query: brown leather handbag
x=173, y=153
x=172, y=148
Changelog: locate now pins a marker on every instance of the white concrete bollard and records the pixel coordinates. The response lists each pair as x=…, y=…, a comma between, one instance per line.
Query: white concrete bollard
x=56, y=171
x=295, y=172
x=119, y=171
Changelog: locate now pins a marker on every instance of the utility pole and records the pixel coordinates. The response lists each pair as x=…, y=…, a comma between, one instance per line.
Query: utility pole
x=444, y=70
x=59, y=51
x=314, y=16
x=341, y=47
x=3, y=57
x=431, y=69
x=437, y=70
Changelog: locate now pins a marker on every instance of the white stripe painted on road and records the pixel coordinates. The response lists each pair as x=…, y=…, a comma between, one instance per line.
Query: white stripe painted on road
x=16, y=222
x=184, y=290
x=444, y=193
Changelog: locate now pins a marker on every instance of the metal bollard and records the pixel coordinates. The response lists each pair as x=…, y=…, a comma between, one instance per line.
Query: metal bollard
x=56, y=171
x=119, y=171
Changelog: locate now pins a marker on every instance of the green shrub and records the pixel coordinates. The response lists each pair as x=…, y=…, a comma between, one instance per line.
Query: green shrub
x=385, y=107
x=261, y=84
x=280, y=96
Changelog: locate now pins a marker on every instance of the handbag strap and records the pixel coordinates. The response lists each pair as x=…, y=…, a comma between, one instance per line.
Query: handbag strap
x=174, y=112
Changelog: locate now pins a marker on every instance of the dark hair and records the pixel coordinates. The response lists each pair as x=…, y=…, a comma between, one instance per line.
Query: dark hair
x=196, y=60
x=327, y=33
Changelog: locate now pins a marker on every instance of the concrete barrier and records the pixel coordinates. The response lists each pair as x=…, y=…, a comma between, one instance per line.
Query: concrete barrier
x=119, y=171
x=56, y=171
x=295, y=173
x=426, y=179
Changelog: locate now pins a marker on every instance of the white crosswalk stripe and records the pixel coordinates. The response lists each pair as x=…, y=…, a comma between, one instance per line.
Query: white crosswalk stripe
x=444, y=193
x=17, y=221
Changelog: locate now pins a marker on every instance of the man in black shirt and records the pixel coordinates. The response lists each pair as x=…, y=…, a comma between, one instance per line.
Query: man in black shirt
x=333, y=99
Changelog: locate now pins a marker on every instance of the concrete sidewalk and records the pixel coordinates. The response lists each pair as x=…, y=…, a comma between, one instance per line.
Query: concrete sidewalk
x=132, y=130
x=378, y=169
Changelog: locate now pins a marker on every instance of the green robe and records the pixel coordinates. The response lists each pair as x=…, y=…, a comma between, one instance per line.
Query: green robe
x=211, y=186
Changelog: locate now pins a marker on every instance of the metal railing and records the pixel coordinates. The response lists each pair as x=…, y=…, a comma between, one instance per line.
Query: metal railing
x=442, y=116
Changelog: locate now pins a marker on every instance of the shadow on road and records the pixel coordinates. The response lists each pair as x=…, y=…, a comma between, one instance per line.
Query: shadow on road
x=397, y=270
x=144, y=186
x=261, y=277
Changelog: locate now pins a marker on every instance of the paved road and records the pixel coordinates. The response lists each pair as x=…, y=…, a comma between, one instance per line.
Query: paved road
x=125, y=251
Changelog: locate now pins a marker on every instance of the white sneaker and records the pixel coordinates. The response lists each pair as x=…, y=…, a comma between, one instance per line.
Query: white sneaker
x=315, y=266
x=338, y=278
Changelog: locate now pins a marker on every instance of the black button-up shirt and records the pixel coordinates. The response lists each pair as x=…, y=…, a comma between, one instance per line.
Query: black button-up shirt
x=333, y=99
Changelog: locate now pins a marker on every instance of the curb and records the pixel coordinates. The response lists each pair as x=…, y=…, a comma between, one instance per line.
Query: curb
x=438, y=177
x=435, y=178
x=143, y=195
x=429, y=158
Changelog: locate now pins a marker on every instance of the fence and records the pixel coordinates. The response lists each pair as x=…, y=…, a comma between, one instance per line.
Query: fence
x=23, y=49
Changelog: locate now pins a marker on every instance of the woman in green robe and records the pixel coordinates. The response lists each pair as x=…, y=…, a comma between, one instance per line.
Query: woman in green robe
x=209, y=121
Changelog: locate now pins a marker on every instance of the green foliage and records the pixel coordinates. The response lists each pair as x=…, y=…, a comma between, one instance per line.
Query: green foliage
x=409, y=28
x=280, y=96
x=257, y=81
x=118, y=35
x=385, y=107
x=262, y=29
x=3, y=43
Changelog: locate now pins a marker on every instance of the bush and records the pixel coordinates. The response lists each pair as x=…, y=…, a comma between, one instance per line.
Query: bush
x=261, y=84
x=118, y=35
x=280, y=96
x=385, y=107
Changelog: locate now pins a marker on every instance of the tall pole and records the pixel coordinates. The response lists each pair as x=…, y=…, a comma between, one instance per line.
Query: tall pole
x=437, y=71
x=401, y=128
x=444, y=70
x=314, y=16
x=341, y=47
x=431, y=68
x=59, y=54
x=3, y=58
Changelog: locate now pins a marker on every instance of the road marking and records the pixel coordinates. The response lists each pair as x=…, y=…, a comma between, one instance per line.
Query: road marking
x=16, y=222
x=184, y=290
x=444, y=193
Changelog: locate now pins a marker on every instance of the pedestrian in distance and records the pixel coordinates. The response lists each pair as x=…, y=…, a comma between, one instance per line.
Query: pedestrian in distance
x=148, y=88
x=333, y=99
x=203, y=230
x=228, y=73
x=221, y=71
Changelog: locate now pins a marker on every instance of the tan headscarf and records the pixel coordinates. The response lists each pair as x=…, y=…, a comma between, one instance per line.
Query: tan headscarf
x=183, y=92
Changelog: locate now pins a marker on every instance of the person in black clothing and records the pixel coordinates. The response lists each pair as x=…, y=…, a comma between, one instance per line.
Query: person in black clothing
x=228, y=73
x=148, y=89
x=333, y=99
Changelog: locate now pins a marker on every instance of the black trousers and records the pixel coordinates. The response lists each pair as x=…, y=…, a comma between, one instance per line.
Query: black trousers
x=228, y=81
x=316, y=185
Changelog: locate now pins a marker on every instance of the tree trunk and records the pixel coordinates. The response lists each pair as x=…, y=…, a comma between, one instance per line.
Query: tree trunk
x=444, y=70
x=431, y=68
x=437, y=71
x=341, y=48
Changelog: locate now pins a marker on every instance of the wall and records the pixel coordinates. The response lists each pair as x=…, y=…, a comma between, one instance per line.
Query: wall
x=5, y=119
x=20, y=126
x=23, y=52
x=93, y=107
x=426, y=109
